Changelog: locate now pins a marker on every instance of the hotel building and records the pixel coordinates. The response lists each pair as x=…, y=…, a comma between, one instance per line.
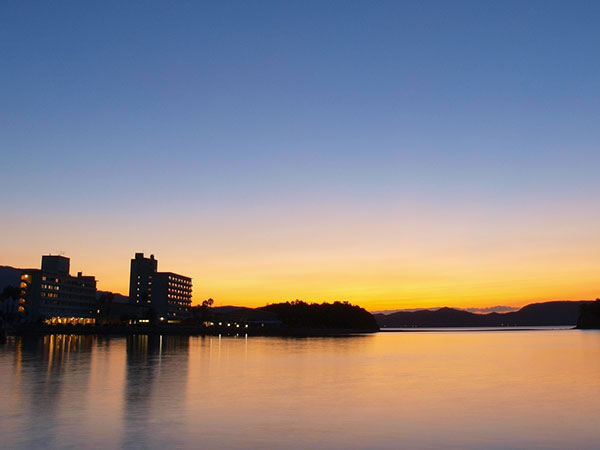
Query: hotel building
x=52, y=295
x=168, y=294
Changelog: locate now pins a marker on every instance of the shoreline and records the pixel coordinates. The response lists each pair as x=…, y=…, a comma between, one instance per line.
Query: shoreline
x=476, y=329
x=181, y=330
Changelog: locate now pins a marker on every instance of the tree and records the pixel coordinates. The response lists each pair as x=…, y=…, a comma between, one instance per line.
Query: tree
x=205, y=309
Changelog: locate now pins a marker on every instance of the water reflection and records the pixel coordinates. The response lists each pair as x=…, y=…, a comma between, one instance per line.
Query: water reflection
x=157, y=367
x=460, y=390
x=50, y=374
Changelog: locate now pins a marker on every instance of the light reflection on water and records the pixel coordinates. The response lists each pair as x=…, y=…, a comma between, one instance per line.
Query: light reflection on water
x=427, y=390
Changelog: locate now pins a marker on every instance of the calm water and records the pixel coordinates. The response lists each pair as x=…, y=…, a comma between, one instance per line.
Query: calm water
x=414, y=390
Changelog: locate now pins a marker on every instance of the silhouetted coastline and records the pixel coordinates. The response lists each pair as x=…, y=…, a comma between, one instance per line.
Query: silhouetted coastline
x=182, y=330
x=298, y=319
x=559, y=313
x=283, y=319
x=45, y=303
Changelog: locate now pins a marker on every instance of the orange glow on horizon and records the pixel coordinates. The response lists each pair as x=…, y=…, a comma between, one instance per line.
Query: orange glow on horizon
x=438, y=258
x=374, y=285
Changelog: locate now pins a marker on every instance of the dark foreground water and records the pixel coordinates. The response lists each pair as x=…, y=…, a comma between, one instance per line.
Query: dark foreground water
x=463, y=389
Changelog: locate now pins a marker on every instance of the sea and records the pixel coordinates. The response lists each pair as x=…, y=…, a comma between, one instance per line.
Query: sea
x=454, y=388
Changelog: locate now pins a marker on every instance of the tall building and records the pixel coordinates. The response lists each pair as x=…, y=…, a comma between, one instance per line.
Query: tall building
x=168, y=294
x=141, y=277
x=52, y=295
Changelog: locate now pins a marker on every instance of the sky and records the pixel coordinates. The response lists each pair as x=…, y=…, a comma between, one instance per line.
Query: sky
x=391, y=154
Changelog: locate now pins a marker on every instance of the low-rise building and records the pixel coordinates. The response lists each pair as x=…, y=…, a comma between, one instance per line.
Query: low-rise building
x=53, y=295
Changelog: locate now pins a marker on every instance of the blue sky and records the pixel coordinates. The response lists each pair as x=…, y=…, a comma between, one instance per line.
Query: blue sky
x=335, y=90
x=132, y=111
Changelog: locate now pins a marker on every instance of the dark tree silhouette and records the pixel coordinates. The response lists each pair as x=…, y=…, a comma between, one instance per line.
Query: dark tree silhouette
x=590, y=315
x=337, y=315
x=205, y=309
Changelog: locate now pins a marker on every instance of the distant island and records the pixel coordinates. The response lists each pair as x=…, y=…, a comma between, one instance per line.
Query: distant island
x=297, y=318
x=300, y=315
x=558, y=313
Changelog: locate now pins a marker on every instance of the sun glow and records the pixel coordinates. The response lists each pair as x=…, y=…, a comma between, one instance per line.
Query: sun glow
x=381, y=257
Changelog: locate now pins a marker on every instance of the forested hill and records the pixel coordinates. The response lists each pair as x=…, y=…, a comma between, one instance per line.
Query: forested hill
x=330, y=316
x=536, y=314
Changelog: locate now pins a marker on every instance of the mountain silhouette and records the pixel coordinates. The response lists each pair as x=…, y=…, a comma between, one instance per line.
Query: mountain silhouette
x=535, y=314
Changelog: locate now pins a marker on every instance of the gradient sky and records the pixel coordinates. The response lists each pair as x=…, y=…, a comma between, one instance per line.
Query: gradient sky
x=393, y=154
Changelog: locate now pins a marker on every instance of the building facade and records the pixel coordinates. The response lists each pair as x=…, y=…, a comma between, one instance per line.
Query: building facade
x=141, y=276
x=168, y=294
x=53, y=295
